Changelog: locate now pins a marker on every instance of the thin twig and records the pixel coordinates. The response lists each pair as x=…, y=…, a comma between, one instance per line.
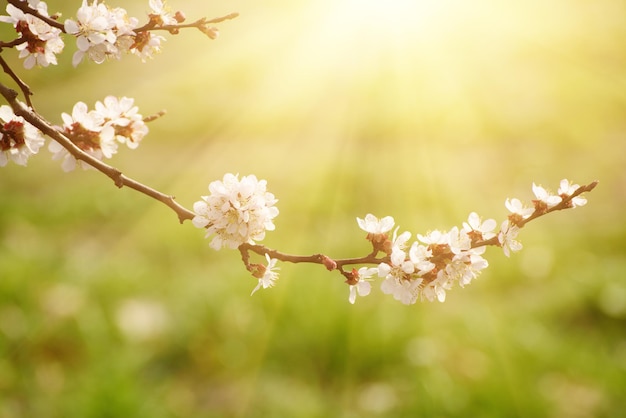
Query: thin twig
x=15, y=42
x=223, y=18
x=198, y=24
x=22, y=85
x=564, y=204
x=337, y=263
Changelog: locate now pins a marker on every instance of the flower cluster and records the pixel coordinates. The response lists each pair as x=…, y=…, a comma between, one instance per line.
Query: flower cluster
x=424, y=269
x=40, y=42
x=432, y=264
x=18, y=138
x=98, y=132
x=103, y=32
x=236, y=211
x=438, y=260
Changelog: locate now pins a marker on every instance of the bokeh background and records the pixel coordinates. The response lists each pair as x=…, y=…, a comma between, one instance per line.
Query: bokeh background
x=424, y=110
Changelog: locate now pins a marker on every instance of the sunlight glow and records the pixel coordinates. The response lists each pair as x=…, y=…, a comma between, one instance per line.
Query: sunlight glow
x=410, y=19
x=398, y=15
x=396, y=69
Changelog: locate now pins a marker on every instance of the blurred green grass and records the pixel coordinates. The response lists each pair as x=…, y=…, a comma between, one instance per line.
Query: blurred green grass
x=109, y=307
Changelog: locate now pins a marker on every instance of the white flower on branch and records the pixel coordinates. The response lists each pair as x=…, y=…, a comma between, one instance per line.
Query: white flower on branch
x=98, y=132
x=466, y=268
x=88, y=131
x=361, y=284
x=124, y=118
x=404, y=290
x=377, y=231
x=146, y=45
x=506, y=238
x=41, y=41
x=420, y=257
x=94, y=32
x=479, y=230
x=401, y=278
x=545, y=200
x=160, y=13
x=566, y=189
x=436, y=289
x=266, y=274
x=519, y=212
x=432, y=269
x=372, y=225
x=18, y=138
x=435, y=237
x=236, y=211
x=458, y=240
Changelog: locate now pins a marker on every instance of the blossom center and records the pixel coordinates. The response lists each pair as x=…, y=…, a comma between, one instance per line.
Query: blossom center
x=33, y=43
x=13, y=135
x=83, y=138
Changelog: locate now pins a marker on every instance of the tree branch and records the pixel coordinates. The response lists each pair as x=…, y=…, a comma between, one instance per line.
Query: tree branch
x=113, y=173
x=339, y=264
x=564, y=204
x=22, y=85
x=199, y=24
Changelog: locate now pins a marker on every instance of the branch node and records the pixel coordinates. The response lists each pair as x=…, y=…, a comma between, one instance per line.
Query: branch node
x=118, y=178
x=328, y=262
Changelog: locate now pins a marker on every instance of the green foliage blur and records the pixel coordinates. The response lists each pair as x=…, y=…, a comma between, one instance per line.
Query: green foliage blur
x=422, y=110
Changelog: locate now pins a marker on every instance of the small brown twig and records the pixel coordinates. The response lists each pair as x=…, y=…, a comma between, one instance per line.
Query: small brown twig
x=22, y=85
x=564, y=204
x=329, y=263
x=198, y=24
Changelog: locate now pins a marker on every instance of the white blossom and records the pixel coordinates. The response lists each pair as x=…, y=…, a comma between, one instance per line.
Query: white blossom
x=236, y=211
x=466, y=266
x=435, y=237
x=473, y=268
x=94, y=30
x=420, y=255
x=516, y=207
x=88, y=131
x=458, y=240
x=270, y=275
x=483, y=230
x=363, y=286
x=436, y=289
x=18, y=138
x=546, y=197
x=401, y=277
x=123, y=25
x=41, y=41
x=160, y=12
x=405, y=291
x=506, y=238
x=373, y=225
x=146, y=45
x=566, y=188
x=127, y=123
